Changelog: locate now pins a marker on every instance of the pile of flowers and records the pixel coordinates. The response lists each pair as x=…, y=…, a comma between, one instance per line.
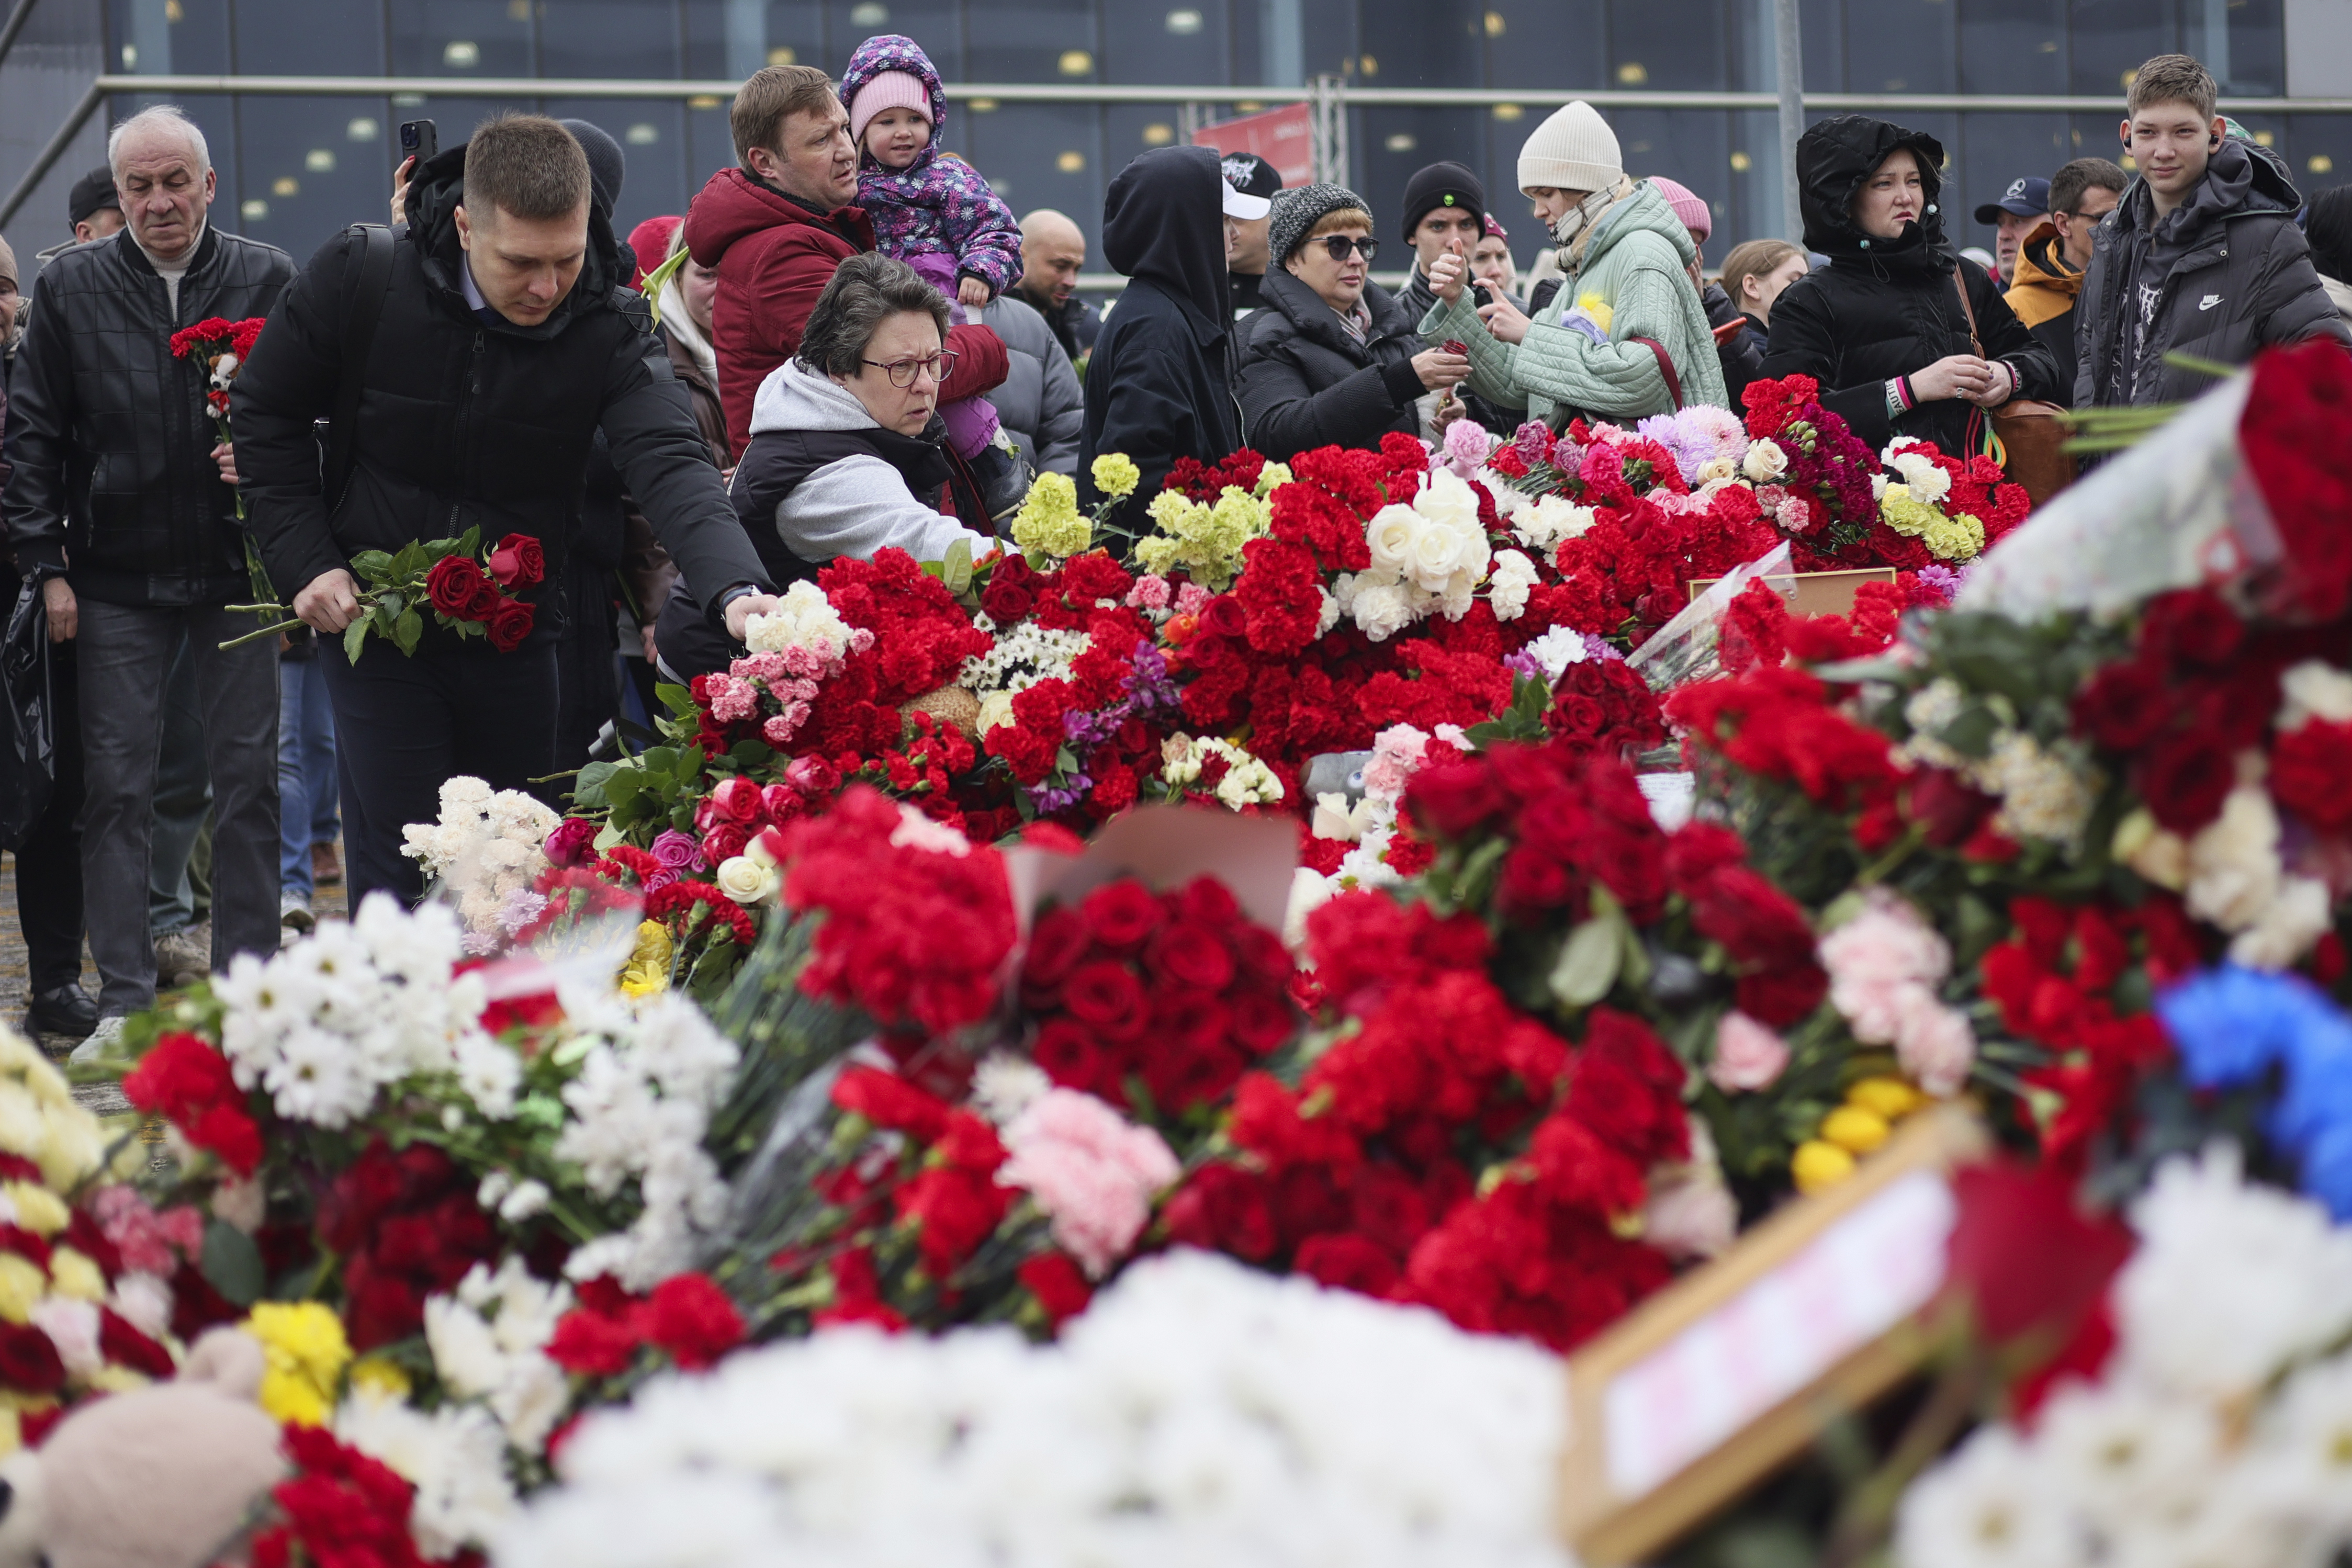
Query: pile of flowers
x=1198, y=1413
x=487, y=849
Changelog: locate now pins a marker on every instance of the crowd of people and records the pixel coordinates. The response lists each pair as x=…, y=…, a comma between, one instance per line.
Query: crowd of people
x=848, y=342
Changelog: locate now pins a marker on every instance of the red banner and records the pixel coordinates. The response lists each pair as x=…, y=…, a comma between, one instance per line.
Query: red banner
x=1284, y=136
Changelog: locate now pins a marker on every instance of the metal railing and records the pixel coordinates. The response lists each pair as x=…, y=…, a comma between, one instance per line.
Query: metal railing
x=1332, y=96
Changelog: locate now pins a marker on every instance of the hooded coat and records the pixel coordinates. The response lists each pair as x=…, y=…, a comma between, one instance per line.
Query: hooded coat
x=1888, y=307
x=2225, y=273
x=1161, y=382
x=1305, y=382
x=775, y=255
x=1636, y=262
x=939, y=204
x=821, y=480
x=2042, y=295
x=470, y=421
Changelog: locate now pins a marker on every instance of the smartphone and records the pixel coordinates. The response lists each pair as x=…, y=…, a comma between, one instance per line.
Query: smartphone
x=419, y=138
x=1481, y=294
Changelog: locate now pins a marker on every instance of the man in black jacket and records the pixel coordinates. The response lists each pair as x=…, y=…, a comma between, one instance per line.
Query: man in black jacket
x=505, y=338
x=2201, y=257
x=1163, y=368
x=117, y=501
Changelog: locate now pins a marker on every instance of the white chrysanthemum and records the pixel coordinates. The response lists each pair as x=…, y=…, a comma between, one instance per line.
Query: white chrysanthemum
x=465, y=1354
x=2302, y=1450
x=1550, y=522
x=1992, y=1505
x=312, y=1080
x=2045, y=793
x=1381, y=609
x=1556, y=649
x=456, y=1457
x=1004, y=1085
x=2122, y=1450
x=1021, y=658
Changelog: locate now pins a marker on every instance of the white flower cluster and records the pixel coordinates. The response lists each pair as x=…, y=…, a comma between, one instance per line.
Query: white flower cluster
x=490, y=1343
x=649, y=1076
x=2231, y=875
x=2223, y=1432
x=485, y=851
x=455, y=1456
x=1369, y=823
x=1921, y=479
x=1550, y=522
x=1247, y=781
x=1199, y=1413
x=1022, y=657
x=1427, y=558
x=804, y=622
x=2045, y=791
x=326, y=1024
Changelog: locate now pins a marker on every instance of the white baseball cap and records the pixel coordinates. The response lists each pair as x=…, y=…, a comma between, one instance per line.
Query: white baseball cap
x=1242, y=204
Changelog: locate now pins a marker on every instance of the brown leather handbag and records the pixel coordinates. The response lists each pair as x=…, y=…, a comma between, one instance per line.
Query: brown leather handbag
x=2033, y=436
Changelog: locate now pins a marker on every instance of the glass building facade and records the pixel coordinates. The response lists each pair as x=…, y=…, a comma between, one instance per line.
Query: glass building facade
x=294, y=169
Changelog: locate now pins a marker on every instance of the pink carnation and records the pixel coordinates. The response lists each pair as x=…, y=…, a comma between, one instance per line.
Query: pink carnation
x=1875, y=959
x=1934, y=1042
x=1192, y=599
x=1397, y=752
x=1467, y=447
x=1094, y=1173
x=732, y=698
x=1748, y=1055
x=144, y=1238
x=1150, y=592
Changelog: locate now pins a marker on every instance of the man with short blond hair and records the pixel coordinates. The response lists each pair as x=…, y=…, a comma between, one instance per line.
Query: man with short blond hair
x=504, y=339
x=776, y=226
x=119, y=503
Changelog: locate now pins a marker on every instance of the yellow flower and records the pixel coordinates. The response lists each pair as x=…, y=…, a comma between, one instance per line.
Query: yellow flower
x=648, y=970
x=1601, y=312
x=73, y=1146
x=39, y=1209
x=1955, y=539
x=1905, y=515
x=1048, y=522
x=1890, y=1099
x=1272, y=478
x=22, y=1286
x=376, y=1375
x=1116, y=475
x=1854, y=1129
x=304, y=1344
x=12, y=1435
x=74, y=1275
x=1818, y=1164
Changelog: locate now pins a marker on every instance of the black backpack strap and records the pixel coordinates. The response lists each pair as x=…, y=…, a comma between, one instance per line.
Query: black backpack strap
x=361, y=313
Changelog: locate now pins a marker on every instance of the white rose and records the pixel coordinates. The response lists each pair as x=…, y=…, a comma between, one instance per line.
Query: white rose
x=2295, y=920
x=2233, y=863
x=747, y=882
x=1448, y=499
x=1716, y=470
x=1765, y=462
x=1391, y=535
x=2313, y=689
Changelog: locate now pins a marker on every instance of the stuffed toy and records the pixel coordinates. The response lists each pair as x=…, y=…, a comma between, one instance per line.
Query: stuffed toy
x=165, y=1477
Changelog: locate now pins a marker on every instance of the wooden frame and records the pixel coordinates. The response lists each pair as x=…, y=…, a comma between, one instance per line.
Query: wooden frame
x=1813, y=593
x=1716, y=1382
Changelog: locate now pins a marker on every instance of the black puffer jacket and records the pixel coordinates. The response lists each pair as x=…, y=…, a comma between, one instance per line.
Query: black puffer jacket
x=1741, y=353
x=471, y=423
x=1305, y=382
x=1883, y=307
x=109, y=434
x=2226, y=273
x=1160, y=384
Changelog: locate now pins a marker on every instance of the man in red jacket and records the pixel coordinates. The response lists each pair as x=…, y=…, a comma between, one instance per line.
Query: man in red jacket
x=775, y=228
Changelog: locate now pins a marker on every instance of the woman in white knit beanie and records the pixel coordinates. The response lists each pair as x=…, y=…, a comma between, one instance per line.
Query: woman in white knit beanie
x=1626, y=336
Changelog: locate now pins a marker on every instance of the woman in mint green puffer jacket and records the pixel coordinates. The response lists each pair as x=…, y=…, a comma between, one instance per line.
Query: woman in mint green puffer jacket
x=1627, y=258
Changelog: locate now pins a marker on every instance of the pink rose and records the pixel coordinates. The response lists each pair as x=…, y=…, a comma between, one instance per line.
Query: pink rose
x=572, y=841
x=738, y=800
x=1934, y=1043
x=676, y=851
x=1748, y=1055
x=1874, y=959
x=812, y=776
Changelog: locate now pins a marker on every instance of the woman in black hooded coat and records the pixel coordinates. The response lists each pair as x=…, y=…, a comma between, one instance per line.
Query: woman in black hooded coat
x=1882, y=328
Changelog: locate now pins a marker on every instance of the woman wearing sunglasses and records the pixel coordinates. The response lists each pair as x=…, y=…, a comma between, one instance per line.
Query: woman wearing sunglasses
x=1332, y=360
x=847, y=454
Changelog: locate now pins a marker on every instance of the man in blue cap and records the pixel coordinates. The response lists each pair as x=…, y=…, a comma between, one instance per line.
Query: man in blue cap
x=2022, y=208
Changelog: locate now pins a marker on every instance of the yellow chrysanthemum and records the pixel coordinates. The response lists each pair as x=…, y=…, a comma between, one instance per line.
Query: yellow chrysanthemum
x=376, y=1375
x=73, y=1274
x=1599, y=309
x=22, y=1286
x=304, y=1344
x=648, y=970
x=1048, y=522
x=1116, y=475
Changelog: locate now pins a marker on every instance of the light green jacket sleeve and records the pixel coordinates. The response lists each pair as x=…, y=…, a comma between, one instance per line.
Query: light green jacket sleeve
x=1493, y=363
x=1619, y=380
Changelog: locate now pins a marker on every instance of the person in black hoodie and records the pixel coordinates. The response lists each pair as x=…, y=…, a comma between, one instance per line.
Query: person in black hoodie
x=504, y=341
x=1882, y=328
x=1332, y=361
x=1161, y=376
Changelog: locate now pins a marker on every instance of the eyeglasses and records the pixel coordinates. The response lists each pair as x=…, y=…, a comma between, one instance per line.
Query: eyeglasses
x=903, y=372
x=1337, y=247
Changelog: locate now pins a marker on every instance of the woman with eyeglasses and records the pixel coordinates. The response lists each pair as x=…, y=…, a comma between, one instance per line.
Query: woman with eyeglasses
x=846, y=456
x=1332, y=360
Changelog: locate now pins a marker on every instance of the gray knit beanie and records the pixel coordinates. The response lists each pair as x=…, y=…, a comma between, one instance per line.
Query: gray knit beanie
x=1299, y=209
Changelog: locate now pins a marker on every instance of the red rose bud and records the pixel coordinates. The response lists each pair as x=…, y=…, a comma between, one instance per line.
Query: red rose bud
x=450, y=586
x=518, y=561
x=571, y=842
x=509, y=624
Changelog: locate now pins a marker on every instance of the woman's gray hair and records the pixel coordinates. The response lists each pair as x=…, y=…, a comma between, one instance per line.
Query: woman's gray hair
x=169, y=118
x=867, y=290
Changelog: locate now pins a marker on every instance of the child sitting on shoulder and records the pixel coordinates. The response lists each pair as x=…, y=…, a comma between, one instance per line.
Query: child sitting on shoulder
x=932, y=211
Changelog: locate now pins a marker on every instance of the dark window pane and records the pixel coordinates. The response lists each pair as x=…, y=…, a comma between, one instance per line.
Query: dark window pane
x=1900, y=46
x=1689, y=146
x=612, y=39
x=160, y=37
x=2013, y=46
x=453, y=118
x=1329, y=41
x=2111, y=37
x=652, y=137
x=310, y=38
x=729, y=39
x=1154, y=41
x=306, y=175
x=1397, y=143
x=1669, y=46
x=2318, y=149
x=710, y=145
x=937, y=25
x=1546, y=44
x=462, y=38
x=1051, y=155
x=1411, y=45
x=1996, y=148
x=1755, y=185
x=2254, y=39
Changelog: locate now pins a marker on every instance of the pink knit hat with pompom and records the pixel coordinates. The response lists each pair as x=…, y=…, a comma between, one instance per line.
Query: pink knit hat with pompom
x=1689, y=211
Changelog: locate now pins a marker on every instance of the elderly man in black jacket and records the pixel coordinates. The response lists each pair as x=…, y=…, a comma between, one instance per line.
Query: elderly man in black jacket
x=1163, y=369
x=507, y=337
x=119, y=502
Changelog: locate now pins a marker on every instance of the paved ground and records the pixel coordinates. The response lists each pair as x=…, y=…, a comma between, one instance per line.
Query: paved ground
x=104, y=1099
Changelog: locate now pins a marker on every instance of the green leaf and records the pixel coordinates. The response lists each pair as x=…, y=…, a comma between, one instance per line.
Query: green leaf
x=958, y=574
x=232, y=1263
x=408, y=629
x=354, y=635
x=588, y=785
x=393, y=600
x=1589, y=961
x=606, y=837
x=679, y=700
x=370, y=564
x=470, y=541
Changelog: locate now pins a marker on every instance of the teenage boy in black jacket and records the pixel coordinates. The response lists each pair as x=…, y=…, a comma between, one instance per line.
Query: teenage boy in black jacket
x=506, y=338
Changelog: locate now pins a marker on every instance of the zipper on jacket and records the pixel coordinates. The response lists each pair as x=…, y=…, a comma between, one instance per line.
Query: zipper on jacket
x=465, y=432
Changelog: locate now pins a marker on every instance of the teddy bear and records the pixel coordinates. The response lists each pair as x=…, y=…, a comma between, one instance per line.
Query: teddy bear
x=164, y=1476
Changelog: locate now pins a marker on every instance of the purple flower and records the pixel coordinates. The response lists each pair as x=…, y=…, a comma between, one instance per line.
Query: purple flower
x=676, y=851
x=1049, y=799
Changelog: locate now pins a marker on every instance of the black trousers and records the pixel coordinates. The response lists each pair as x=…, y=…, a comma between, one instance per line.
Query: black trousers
x=406, y=724
x=48, y=862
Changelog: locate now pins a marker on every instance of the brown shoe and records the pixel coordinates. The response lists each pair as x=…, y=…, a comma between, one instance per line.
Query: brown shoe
x=325, y=869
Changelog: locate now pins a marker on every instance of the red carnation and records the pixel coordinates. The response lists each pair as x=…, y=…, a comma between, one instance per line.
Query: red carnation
x=2309, y=767
x=1061, y=1289
x=693, y=1320
x=30, y=1361
x=1348, y=1261
x=593, y=1344
x=1227, y=1209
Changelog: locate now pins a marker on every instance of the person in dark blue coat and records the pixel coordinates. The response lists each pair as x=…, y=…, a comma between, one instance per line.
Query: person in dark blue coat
x=1161, y=384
